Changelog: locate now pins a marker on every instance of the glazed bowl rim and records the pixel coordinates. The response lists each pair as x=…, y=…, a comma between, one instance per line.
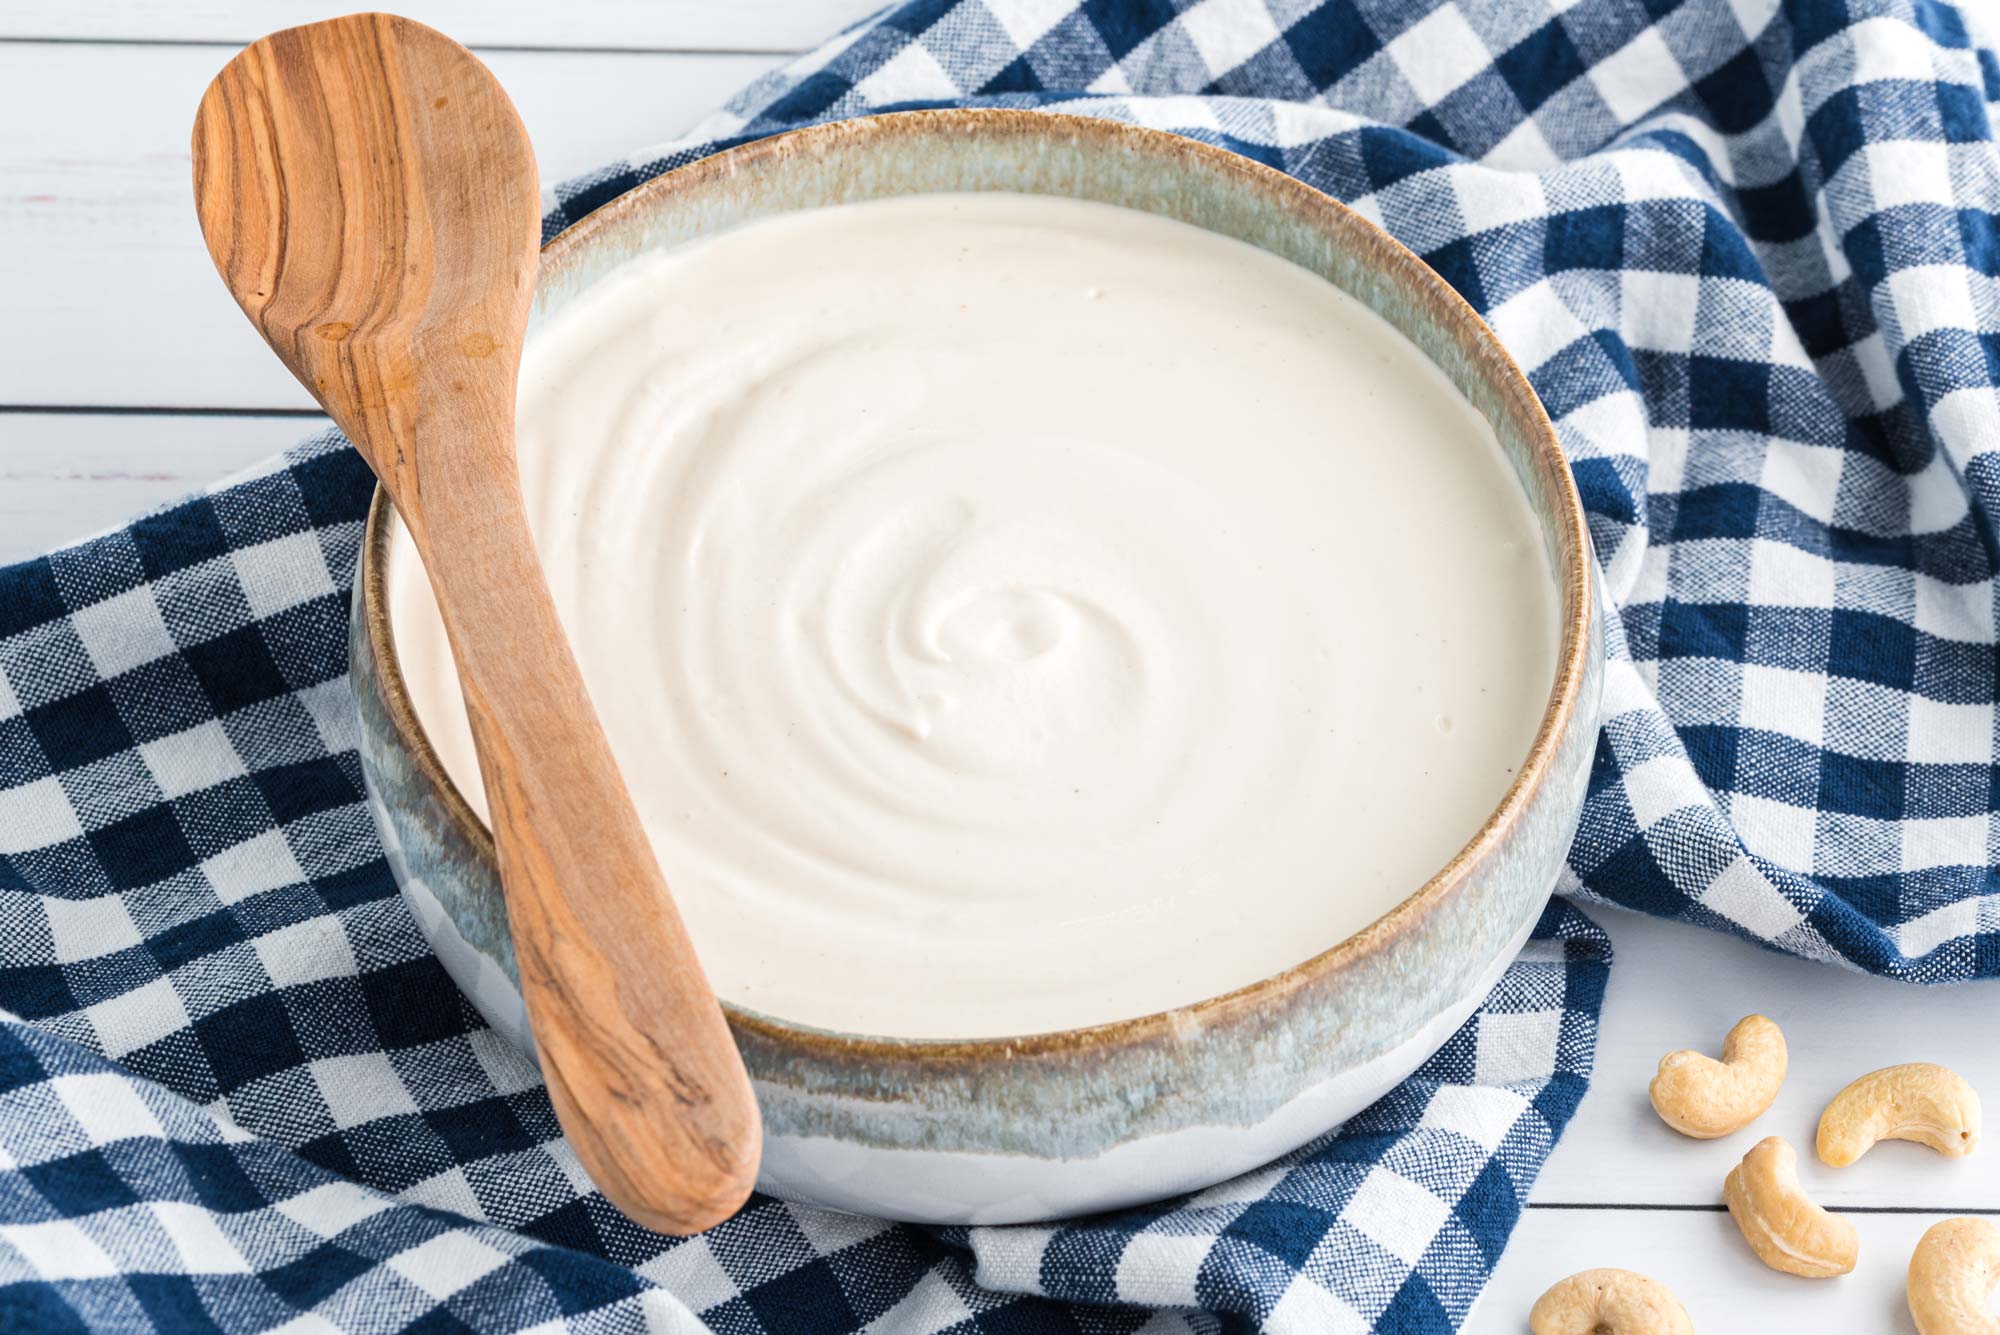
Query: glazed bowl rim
x=1572, y=573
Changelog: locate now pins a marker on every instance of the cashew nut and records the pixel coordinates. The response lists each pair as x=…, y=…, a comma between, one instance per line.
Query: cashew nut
x=1922, y=1101
x=1699, y=1096
x=1951, y=1277
x=1609, y=1302
x=1786, y=1230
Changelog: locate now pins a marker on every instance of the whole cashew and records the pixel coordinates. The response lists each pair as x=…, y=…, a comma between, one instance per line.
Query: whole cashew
x=1699, y=1096
x=1786, y=1230
x=1922, y=1101
x=1609, y=1302
x=1951, y=1277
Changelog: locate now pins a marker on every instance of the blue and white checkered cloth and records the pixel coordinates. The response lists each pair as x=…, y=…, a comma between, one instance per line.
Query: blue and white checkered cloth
x=1747, y=252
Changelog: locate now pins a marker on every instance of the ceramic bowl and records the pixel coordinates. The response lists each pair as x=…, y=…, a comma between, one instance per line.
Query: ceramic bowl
x=1055, y=1124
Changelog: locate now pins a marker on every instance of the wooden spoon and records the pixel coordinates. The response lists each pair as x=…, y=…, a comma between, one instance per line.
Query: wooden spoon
x=370, y=198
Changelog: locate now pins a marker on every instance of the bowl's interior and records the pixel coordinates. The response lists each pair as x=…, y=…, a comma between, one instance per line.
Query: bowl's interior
x=931, y=152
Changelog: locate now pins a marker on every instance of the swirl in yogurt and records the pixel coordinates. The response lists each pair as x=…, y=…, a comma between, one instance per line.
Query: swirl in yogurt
x=1013, y=613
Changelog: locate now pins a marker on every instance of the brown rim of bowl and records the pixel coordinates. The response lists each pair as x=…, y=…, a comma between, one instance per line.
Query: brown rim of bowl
x=1573, y=574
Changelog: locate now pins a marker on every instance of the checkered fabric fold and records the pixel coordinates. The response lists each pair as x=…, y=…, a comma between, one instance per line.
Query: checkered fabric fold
x=1747, y=253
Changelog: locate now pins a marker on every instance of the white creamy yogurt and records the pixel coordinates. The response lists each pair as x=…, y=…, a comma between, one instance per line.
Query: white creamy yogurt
x=1012, y=613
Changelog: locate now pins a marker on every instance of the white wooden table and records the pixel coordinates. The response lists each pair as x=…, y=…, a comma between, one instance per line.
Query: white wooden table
x=127, y=377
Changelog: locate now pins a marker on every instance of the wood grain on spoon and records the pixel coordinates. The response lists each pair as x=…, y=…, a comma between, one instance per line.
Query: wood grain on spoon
x=370, y=198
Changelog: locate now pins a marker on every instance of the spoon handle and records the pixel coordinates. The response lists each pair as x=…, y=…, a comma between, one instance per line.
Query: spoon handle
x=640, y=1064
